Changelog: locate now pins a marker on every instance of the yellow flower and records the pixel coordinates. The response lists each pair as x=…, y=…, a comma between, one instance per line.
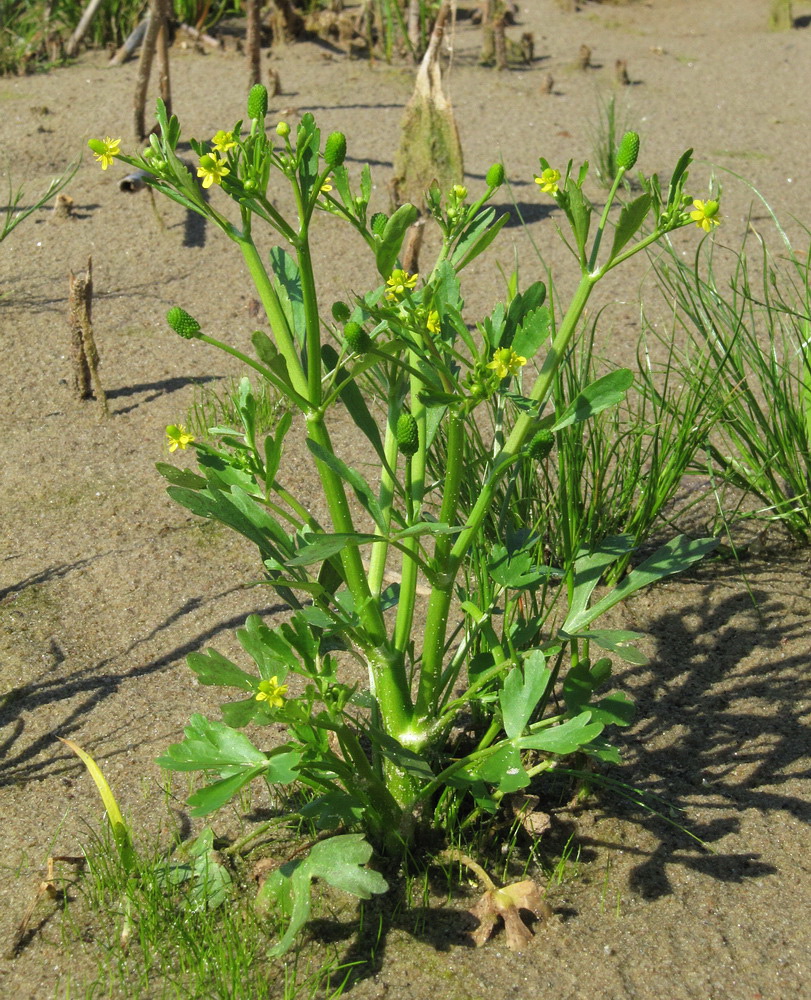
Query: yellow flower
x=458, y=191
x=105, y=150
x=432, y=323
x=399, y=282
x=272, y=692
x=705, y=214
x=548, y=181
x=506, y=362
x=223, y=141
x=212, y=170
x=178, y=437
x=327, y=185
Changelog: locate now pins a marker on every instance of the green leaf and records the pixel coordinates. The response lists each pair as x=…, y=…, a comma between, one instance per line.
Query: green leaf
x=516, y=570
x=334, y=809
x=339, y=861
x=363, y=491
x=604, y=392
x=679, y=176
x=532, y=333
x=211, y=746
x=212, y=667
x=355, y=403
x=674, y=557
x=504, y=769
x=215, y=795
x=615, y=641
x=478, y=237
x=327, y=545
x=614, y=710
x=580, y=209
x=631, y=218
x=273, y=446
x=181, y=477
x=521, y=693
x=289, y=290
x=566, y=738
x=389, y=244
x=589, y=567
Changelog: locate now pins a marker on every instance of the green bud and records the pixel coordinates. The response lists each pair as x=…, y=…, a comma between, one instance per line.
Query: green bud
x=541, y=445
x=335, y=149
x=356, y=338
x=628, y=150
x=258, y=101
x=378, y=224
x=283, y=129
x=495, y=176
x=408, y=435
x=340, y=311
x=180, y=321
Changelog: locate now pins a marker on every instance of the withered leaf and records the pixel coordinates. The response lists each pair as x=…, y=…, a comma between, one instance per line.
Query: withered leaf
x=506, y=904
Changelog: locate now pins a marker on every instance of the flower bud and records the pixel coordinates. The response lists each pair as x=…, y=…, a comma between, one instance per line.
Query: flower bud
x=258, y=101
x=356, y=338
x=340, y=311
x=180, y=321
x=378, y=223
x=495, y=175
x=335, y=149
x=628, y=150
x=408, y=435
x=283, y=129
x=541, y=445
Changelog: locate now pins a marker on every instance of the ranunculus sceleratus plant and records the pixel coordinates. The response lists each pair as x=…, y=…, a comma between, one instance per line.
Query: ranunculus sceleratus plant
x=379, y=756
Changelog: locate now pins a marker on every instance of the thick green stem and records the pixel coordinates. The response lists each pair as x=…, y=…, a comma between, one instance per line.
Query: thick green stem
x=415, y=493
x=276, y=316
x=440, y=600
x=380, y=550
x=437, y=622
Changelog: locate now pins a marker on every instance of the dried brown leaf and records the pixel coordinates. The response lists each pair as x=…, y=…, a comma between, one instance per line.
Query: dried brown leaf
x=506, y=905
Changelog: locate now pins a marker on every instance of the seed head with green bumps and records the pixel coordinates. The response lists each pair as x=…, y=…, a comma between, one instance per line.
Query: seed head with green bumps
x=408, y=435
x=184, y=324
x=335, y=149
x=628, y=150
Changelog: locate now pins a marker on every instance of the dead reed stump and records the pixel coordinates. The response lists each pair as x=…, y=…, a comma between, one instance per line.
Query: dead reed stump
x=84, y=355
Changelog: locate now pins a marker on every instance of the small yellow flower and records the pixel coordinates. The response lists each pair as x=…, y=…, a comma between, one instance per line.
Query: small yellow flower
x=178, y=437
x=105, y=150
x=432, y=324
x=705, y=214
x=506, y=362
x=399, y=282
x=212, y=170
x=272, y=692
x=327, y=185
x=222, y=141
x=548, y=181
x=459, y=192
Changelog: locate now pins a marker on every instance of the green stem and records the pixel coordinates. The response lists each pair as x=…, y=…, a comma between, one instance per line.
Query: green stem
x=377, y=564
x=276, y=316
x=440, y=600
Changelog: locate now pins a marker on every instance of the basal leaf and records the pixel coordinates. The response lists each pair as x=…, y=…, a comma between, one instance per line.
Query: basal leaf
x=566, y=738
x=523, y=689
x=211, y=746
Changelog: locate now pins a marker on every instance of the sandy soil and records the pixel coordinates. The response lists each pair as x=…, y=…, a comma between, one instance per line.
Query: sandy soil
x=105, y=585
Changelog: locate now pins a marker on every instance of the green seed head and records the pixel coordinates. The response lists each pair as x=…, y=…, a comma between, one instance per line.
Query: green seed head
x=379, y=220
x=541, y=445
x=628, y=150
x=340, y=311
x=335, y=149
x=258, y=101
x=356, y=338
x=180, y=321
x=495, y=176
x=408, y=435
